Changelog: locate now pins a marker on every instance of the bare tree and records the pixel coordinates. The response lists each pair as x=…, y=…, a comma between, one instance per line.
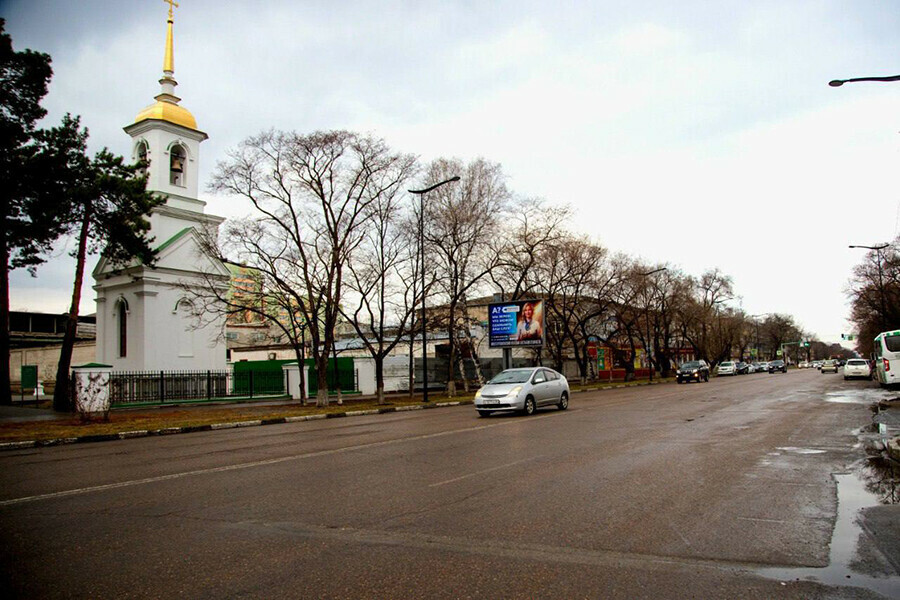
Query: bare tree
x=312, y=195
x=570, y=279
x=381, y=281
x=874, y=292
x=459, y=223
x=700, y=316
x=778, y=329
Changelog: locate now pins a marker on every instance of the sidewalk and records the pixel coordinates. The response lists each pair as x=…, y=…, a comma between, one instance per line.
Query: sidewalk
x=25, y=427
x=18, y=413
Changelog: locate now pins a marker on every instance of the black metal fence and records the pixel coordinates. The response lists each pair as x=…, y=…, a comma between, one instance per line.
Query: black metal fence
x=160, y=387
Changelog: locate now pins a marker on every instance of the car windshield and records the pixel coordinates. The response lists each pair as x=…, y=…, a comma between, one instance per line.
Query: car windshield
x=857, y=362
x=727, y=364
x=691, y=365
x=512, y=376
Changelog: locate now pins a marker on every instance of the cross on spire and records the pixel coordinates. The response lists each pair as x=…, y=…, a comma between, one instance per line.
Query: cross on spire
x=172, y=5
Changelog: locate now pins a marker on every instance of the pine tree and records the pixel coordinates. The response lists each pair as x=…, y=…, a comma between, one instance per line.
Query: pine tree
x=107, y=203
x=28, y=226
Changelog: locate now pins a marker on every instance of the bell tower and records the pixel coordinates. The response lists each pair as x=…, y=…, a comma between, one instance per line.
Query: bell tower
x=141, y=310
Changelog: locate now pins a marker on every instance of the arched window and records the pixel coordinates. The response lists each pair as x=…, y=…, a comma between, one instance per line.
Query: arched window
x=142, y=153
x=177, y=162
x=122, y=330
x=184, y=310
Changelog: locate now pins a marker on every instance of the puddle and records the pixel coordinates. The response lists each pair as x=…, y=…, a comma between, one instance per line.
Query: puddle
x=794, y=450
x=857, y=396
x=853, y=496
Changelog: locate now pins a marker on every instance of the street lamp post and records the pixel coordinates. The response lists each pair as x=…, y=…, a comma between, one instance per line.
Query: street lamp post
x=421, y=194
x=756, y=322
x=878, y=250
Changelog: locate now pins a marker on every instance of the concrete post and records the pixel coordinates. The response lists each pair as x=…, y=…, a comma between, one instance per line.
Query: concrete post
x=92, y=391
x=292, y=379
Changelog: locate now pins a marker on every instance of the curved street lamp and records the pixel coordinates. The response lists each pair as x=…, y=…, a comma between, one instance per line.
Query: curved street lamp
x=840, y=82
x=421, y=194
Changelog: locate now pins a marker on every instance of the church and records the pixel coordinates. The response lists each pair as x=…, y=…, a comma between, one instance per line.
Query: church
x=146, y=317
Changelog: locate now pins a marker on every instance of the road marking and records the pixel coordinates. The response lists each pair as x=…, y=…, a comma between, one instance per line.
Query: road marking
x=270, y=461
x=779, y=521
x=497, y=468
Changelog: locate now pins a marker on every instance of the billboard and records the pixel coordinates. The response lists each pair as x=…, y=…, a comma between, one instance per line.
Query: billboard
x=514, y=324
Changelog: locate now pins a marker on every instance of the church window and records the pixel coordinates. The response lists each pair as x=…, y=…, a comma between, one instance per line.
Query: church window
x=142, y=155
x=184, y=310
x=122, y=319
x=177, y=162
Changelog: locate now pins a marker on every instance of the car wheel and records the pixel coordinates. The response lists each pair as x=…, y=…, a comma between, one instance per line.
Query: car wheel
x=530, y=406
x=563, y=401
x=484, y=413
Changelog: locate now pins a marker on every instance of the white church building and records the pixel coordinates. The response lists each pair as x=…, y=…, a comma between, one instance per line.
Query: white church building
x=145, y=316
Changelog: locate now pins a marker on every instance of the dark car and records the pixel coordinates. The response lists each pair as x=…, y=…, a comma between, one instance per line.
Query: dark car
x=743, y=368
x=777, y=365
x=695, y=370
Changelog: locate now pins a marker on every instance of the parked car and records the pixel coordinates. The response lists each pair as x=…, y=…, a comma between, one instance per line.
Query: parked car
x=695, y=370
x=777, y=365
x=743, y=368
x=803, y=365
x=762, y=367
x=829, y=365
x=817, y=364
x=726, y=368
x=857, y=367
x=523, y=390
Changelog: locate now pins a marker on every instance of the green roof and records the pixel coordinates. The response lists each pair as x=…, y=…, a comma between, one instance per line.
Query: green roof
x=174, y=239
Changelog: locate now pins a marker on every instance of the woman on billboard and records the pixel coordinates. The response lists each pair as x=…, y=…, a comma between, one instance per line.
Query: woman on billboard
x=529, y=327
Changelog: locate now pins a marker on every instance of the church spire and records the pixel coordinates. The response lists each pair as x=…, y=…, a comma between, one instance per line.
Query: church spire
x=169, y=59
x=166, y=107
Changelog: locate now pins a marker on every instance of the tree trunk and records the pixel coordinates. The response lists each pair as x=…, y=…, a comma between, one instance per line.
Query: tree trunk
x=471, y=340
x=462, y=373
x=322, y=381
x=5, y=390
x=451, y=366
x=379, y=379
x=61, y=400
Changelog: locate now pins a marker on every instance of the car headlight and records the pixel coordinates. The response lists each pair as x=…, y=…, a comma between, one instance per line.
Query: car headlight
x=515, y=391
x=478, y=394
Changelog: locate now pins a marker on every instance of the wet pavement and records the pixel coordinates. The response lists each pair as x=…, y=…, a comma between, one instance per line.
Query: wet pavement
x=865, y=546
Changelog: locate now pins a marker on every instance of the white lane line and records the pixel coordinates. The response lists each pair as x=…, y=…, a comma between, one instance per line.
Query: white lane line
x=779, y=521
x=270, y=461
x=476, y=473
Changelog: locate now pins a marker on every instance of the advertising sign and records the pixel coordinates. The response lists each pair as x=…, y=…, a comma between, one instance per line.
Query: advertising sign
x=515, y=324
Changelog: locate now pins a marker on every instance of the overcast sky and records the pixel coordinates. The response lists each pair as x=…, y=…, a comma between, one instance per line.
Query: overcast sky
x=702, y=134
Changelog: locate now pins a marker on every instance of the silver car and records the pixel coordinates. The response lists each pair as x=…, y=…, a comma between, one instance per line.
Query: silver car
x=523, y=390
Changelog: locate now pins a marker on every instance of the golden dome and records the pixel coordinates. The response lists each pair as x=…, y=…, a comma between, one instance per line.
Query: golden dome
x=166, y=111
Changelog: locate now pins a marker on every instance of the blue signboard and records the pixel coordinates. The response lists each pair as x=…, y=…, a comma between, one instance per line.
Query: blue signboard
x=513, y=324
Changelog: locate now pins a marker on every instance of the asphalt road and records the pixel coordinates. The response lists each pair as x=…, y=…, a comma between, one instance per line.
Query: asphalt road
x=670, y=491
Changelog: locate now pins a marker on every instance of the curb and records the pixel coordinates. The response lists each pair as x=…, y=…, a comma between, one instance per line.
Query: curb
x=127, y=435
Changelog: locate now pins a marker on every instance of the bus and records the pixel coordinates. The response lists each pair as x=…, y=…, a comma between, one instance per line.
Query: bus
x=887, y=358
